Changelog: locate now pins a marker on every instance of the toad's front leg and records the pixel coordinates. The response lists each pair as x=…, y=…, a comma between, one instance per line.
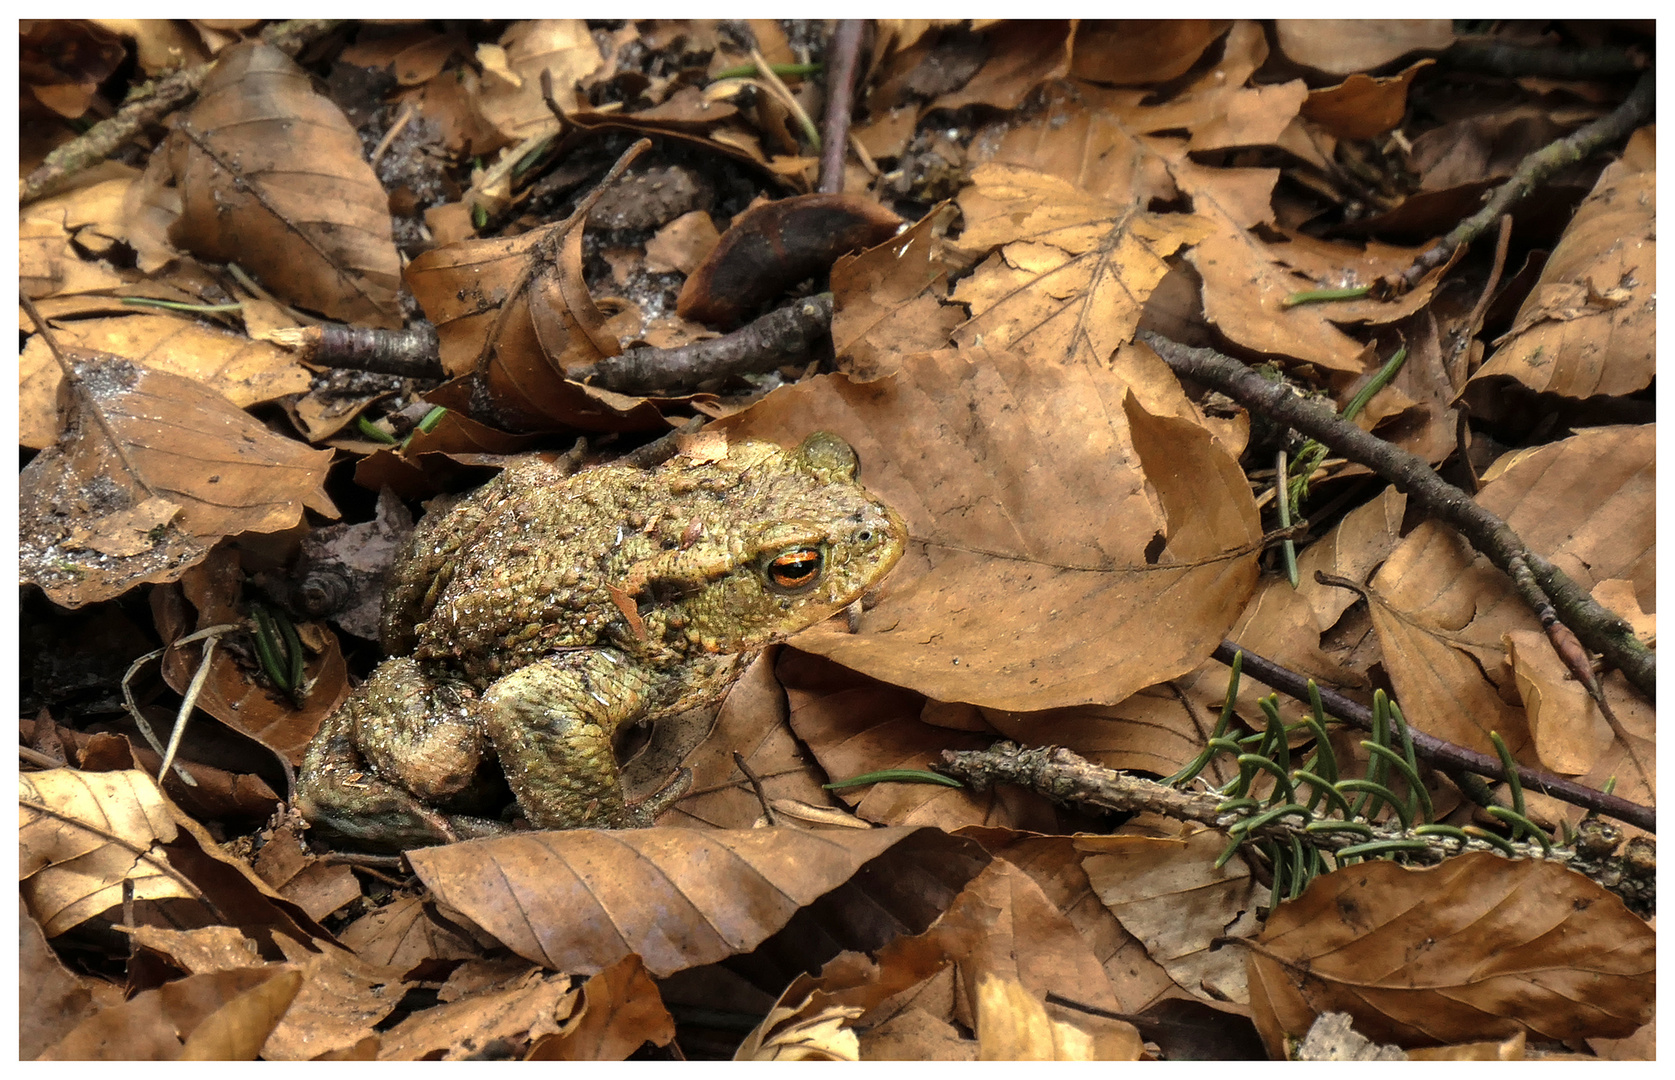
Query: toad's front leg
x=551, y=724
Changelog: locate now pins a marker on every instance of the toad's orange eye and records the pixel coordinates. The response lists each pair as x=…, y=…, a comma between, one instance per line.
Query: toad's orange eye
x=795, y=569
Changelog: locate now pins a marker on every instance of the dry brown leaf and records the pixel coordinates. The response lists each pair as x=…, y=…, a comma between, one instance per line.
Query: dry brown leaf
x=233, y=692
x=237, y=1030
x=1478, y=947
x=509, y=93
x=621, y=1011
x=57, y=1000
x=243, y=371
x=751, y=723
x=1341, y=46
x=855, y=725
x=582, y=899
x=134, y=434
x=886, y=300
x=1034, y=494
x=518, y=312
x=1055, y=865
x=531, y=1006
x=1219, y=108
x=1001, y=925
x=89, y=215
x=341, y=999
x=682, y=244
x=155, y=1024
x=84, y=837
x=1441, y=611
x=1356, y=546
x=271, y=177
x=1169, y=894
x=1023, y=55
x=1245, y=289
x=200, y=951
x=402, y=933
x=1589, y=327
x=1363, y=106
x=1074, y=270
x=1134, y=52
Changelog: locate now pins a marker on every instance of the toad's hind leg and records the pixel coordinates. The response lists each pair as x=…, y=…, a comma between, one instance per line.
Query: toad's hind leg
x=398, y=744
x=551, y=724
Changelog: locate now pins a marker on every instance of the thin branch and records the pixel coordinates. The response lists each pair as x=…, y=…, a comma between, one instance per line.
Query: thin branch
x=1579, y=145
x=1537, y=580
x=1068, y=778
x=770, y=342
x=1516, y=61
x=842, y=56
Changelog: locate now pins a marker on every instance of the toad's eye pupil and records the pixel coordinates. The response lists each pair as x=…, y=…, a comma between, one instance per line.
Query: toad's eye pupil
x=796, y=568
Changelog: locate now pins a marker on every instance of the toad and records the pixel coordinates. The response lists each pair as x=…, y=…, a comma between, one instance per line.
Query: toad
x=544, y=612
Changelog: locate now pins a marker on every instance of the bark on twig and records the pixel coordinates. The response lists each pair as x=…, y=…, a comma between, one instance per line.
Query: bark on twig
x=1068, y=778
x=148, y=104
x=1515, y=61
x=1537, y=580
x=841, y=59
x=1579, y=145
x=411, y=353
x=1435, y=751
x=775, y=339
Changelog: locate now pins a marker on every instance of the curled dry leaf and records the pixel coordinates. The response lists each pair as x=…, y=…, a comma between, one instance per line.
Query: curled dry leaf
x=1363, y=106
x=769, y=248
x=1219, y=108
x=1590, y=326
x=621, y=1011
x=1023, y=54
x=582, y=899
x=517, y=314
x=82, y=835
x=271, y=177
x=751, y=723
x=1477, y=947
x=1001, y=926
x=58, y=998
x=135, y=434
x=534, y=1005
x=233, y=692
x=1036, y=496
x=1013, y=1025
x=509, y=94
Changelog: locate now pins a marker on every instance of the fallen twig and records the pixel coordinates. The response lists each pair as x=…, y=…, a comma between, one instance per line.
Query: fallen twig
x=411, y=353
x=777, y=338
x=1579, y=145
x=149, y=103
x=1514, y=61
x=1537, y=580
x=842, y=54
x=1068, y=778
